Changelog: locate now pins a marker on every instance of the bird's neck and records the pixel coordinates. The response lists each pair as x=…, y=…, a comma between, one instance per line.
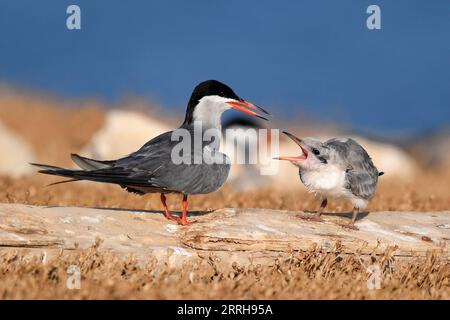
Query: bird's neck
x=209, y=116
x=207, y=112
x=208, y=123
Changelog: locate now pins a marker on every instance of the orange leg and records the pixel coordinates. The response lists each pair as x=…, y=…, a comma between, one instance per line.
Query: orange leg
x=166, y=210
x=185, y=211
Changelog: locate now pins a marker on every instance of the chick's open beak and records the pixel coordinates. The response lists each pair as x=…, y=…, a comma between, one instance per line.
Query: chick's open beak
x=299, y=142
x=248, y=108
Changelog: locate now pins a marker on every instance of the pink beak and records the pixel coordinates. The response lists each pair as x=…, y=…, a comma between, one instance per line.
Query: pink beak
x=299, y=142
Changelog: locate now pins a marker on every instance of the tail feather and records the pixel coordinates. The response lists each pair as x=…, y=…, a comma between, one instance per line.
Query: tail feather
x=108, y=175
x=57, y=171
x=46, y=166
x=61, y=182
x=90, y=164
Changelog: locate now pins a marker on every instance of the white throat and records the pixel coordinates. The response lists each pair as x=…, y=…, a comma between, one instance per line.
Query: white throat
x=209, y=111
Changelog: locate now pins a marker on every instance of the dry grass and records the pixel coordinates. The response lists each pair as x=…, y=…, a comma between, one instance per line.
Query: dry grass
x=303, y=275
x=54, y=132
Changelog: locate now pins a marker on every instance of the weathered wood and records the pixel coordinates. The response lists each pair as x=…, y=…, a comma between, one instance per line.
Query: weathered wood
x=231, y=234
x=413, y=233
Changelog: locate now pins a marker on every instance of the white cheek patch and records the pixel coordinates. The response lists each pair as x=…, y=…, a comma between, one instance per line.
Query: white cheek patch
x=209, y=110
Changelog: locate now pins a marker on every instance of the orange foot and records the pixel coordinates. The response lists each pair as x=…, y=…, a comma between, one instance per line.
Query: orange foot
x=170, y=216
x=173, y=218
x=185, y=222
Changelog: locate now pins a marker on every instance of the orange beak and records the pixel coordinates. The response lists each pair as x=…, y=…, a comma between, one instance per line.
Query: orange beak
x=248, y=108
x=300, y=144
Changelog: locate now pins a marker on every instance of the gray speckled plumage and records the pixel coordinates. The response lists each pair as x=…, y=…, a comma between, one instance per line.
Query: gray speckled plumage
x=361, y=173
x=336, y=168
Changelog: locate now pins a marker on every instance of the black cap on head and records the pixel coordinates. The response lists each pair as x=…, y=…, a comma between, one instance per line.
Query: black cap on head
x=212, y=88
x=208, y=88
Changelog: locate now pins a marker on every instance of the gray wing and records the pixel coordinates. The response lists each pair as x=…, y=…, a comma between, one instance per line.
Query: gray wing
x=361, y=174
x=151, y=169
x=153, y=163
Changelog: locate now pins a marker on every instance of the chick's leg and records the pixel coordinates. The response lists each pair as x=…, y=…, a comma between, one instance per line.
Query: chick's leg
x=321, y=208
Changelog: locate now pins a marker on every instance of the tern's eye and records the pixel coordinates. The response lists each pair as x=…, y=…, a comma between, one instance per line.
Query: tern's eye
x=315, y=151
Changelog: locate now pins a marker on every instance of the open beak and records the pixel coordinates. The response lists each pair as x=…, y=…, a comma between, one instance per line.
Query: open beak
x=248, y=108
x=299, y=142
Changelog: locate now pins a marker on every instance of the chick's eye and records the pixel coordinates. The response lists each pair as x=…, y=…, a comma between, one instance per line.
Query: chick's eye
x=315, y=151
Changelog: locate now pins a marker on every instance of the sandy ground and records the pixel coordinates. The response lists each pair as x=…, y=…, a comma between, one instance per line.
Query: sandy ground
x=55, y=131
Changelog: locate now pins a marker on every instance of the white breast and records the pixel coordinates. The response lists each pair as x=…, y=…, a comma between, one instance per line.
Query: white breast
x=329, y=181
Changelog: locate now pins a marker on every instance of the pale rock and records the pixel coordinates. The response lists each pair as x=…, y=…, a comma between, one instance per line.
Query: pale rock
x=123, y=133
x=16, y=154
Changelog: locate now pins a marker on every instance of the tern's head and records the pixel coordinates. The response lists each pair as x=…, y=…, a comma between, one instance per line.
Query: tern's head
x=315, y=154
x=211, y=98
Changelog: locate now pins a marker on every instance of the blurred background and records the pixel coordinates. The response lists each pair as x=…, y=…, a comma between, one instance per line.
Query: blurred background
x=126, y=76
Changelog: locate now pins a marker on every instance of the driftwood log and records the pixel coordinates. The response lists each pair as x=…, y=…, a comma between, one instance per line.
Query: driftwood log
x=241, y=235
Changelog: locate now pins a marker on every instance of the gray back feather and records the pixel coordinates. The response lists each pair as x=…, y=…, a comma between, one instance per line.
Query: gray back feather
x=361, y=174
x=153, y=163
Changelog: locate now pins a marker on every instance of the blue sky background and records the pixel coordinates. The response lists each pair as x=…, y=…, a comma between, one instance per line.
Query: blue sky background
x=313, y=57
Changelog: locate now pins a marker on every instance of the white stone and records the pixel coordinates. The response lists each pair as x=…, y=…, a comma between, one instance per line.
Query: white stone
x=15, y=154
x=122, y=133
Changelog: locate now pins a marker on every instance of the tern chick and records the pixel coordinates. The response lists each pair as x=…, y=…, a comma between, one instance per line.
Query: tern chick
x=337, y=168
